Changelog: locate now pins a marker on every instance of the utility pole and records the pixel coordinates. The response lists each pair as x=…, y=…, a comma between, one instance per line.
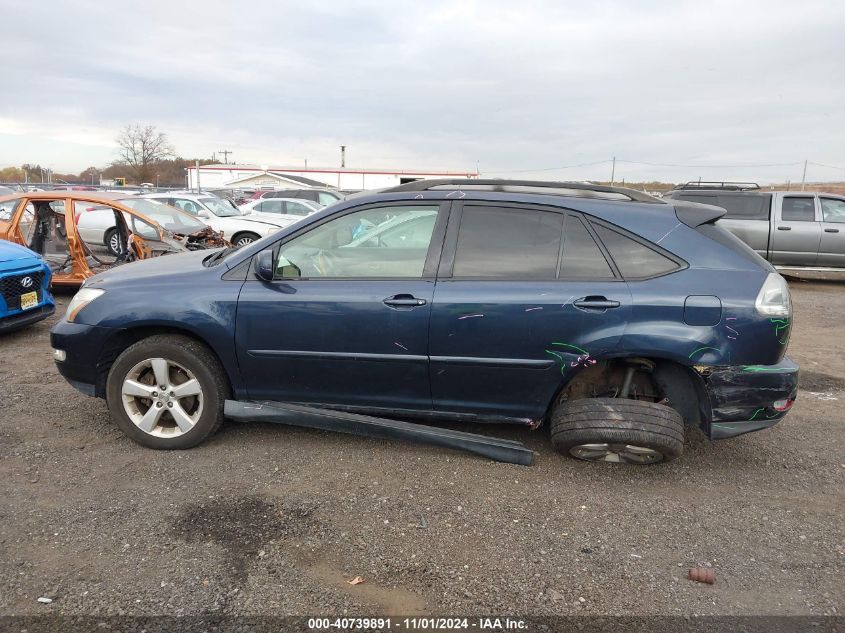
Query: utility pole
x=343, y=155
x=225, y=153
x=613, y=172
x=198, y=176
x=804, y=175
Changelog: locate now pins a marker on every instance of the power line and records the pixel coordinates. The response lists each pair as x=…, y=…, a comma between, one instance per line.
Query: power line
x=650, y=164
x=828, y=166
x=639, y=162
x=525, y=171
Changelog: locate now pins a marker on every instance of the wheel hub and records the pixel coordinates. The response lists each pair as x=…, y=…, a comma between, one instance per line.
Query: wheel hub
x=162, y=398
x=616, y=453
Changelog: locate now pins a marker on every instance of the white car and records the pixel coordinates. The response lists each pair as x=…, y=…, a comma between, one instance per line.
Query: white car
x=285, y=209
x=221, y=215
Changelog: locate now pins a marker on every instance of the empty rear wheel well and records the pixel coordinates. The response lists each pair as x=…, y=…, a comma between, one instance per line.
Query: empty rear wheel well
x=125, y=338
x=653, y=380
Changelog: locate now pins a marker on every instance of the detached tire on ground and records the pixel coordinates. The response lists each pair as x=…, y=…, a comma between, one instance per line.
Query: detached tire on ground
x=617, y=430
x=167, y=392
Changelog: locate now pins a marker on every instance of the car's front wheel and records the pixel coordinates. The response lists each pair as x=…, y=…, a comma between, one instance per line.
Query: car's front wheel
x=167, y=392
x=617, y=430
x=242, y=239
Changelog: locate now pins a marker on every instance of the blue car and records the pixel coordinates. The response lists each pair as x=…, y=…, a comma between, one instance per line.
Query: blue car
x=24, y=287
x=616, y=319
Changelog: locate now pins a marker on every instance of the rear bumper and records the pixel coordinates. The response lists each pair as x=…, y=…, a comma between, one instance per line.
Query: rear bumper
x=742, y=397
x=22, y=319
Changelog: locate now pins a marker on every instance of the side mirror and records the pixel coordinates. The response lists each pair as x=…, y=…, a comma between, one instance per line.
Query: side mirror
x=264, y=265
x=202, y=213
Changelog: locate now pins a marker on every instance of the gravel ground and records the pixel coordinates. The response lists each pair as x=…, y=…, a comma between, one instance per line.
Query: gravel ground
x=265, y=520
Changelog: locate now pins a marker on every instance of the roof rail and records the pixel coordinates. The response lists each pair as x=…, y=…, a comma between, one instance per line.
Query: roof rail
x=572, y=189
x=724, y=186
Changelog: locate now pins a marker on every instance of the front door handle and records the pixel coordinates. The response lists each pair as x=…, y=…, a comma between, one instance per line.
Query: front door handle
x=595, y=303
x=831, y=230
x=784, y=228
x=404, y=301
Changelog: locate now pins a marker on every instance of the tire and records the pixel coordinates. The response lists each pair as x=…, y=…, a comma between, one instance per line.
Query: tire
x=199, y=410
x=242, y=239
x=617, y=430
x=112, y=241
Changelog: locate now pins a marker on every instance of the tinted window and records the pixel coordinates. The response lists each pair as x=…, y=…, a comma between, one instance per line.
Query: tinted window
x=327, y=198
x=745, y=206
x=833, y=210
x=701, y=199
x=386, y=242
x=297, y=208
x=633, y=258
x=508, y=243
x=797, y=209
x=270, y=206
x=582, y=258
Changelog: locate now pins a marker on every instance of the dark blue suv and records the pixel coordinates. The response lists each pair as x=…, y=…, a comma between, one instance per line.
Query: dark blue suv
x=617, y=318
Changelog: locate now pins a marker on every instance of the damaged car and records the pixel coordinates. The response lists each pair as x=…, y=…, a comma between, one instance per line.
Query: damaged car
x=47, y=222
x=618, y=321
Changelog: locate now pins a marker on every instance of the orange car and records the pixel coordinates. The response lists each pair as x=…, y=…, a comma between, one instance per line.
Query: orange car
x=40, y=221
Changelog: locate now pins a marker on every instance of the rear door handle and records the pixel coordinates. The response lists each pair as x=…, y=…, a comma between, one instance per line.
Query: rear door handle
x=831, y=230
x=595, y=303
x=404, y=301
x=784, y=228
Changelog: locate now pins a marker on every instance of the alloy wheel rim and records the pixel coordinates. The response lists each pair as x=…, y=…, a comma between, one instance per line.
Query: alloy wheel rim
x=616, y=453
x=244, y=241
x=114, y=243
x=162, y=398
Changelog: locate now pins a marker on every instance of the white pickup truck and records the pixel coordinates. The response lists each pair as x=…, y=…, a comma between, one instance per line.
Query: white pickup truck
x=791, y=229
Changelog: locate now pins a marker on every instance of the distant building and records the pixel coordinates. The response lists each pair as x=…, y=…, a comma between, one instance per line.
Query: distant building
x=270, y=177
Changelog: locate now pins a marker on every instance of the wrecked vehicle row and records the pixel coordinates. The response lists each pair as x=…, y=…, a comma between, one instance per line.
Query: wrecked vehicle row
x=102, y=230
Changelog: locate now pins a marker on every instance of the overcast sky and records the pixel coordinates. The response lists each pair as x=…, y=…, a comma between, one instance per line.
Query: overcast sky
x=519, y=88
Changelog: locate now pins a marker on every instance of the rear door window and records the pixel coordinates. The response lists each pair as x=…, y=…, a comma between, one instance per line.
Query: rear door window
x=634, y=259
x=582, y=258
x=508, y=243
x=833, y=209
x=798, y=209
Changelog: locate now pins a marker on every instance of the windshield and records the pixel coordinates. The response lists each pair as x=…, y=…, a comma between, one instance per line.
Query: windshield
x=220, y=208
x=169, y=217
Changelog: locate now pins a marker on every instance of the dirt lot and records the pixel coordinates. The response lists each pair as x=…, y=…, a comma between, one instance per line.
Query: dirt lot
x=276, y=520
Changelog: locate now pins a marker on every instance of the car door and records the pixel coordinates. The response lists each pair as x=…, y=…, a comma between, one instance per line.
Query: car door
x=832, y=246
x=524, y=296
x=797, y=234
x=345, y=320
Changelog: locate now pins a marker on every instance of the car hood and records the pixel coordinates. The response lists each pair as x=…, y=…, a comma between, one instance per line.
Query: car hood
x=143, y=269
x=10, y=252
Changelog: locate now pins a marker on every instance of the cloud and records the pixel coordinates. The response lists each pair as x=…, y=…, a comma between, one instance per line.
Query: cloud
x=514, y=86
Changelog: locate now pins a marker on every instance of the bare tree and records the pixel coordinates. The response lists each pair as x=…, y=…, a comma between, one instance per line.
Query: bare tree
x=141, y=147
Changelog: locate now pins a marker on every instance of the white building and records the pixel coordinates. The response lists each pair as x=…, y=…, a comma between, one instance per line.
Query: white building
x=270, y=177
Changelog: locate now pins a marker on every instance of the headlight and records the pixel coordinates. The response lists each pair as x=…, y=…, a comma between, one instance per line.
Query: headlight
x=773, y=299
x=80, y=300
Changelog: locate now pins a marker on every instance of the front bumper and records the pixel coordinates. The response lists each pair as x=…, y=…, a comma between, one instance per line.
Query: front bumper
x=741, y=397
x=22, y=319
x=83, y=346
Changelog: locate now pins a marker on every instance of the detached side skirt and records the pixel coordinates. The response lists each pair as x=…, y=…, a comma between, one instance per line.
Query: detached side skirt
x=329, y=420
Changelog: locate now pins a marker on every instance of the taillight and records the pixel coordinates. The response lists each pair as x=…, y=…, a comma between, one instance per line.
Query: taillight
x=783, y=405
x=773, y=299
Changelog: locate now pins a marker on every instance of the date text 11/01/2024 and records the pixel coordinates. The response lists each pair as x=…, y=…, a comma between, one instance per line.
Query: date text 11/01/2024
x=418, y=623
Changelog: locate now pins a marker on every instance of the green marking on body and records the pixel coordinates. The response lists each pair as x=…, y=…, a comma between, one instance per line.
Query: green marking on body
x=582, y=351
